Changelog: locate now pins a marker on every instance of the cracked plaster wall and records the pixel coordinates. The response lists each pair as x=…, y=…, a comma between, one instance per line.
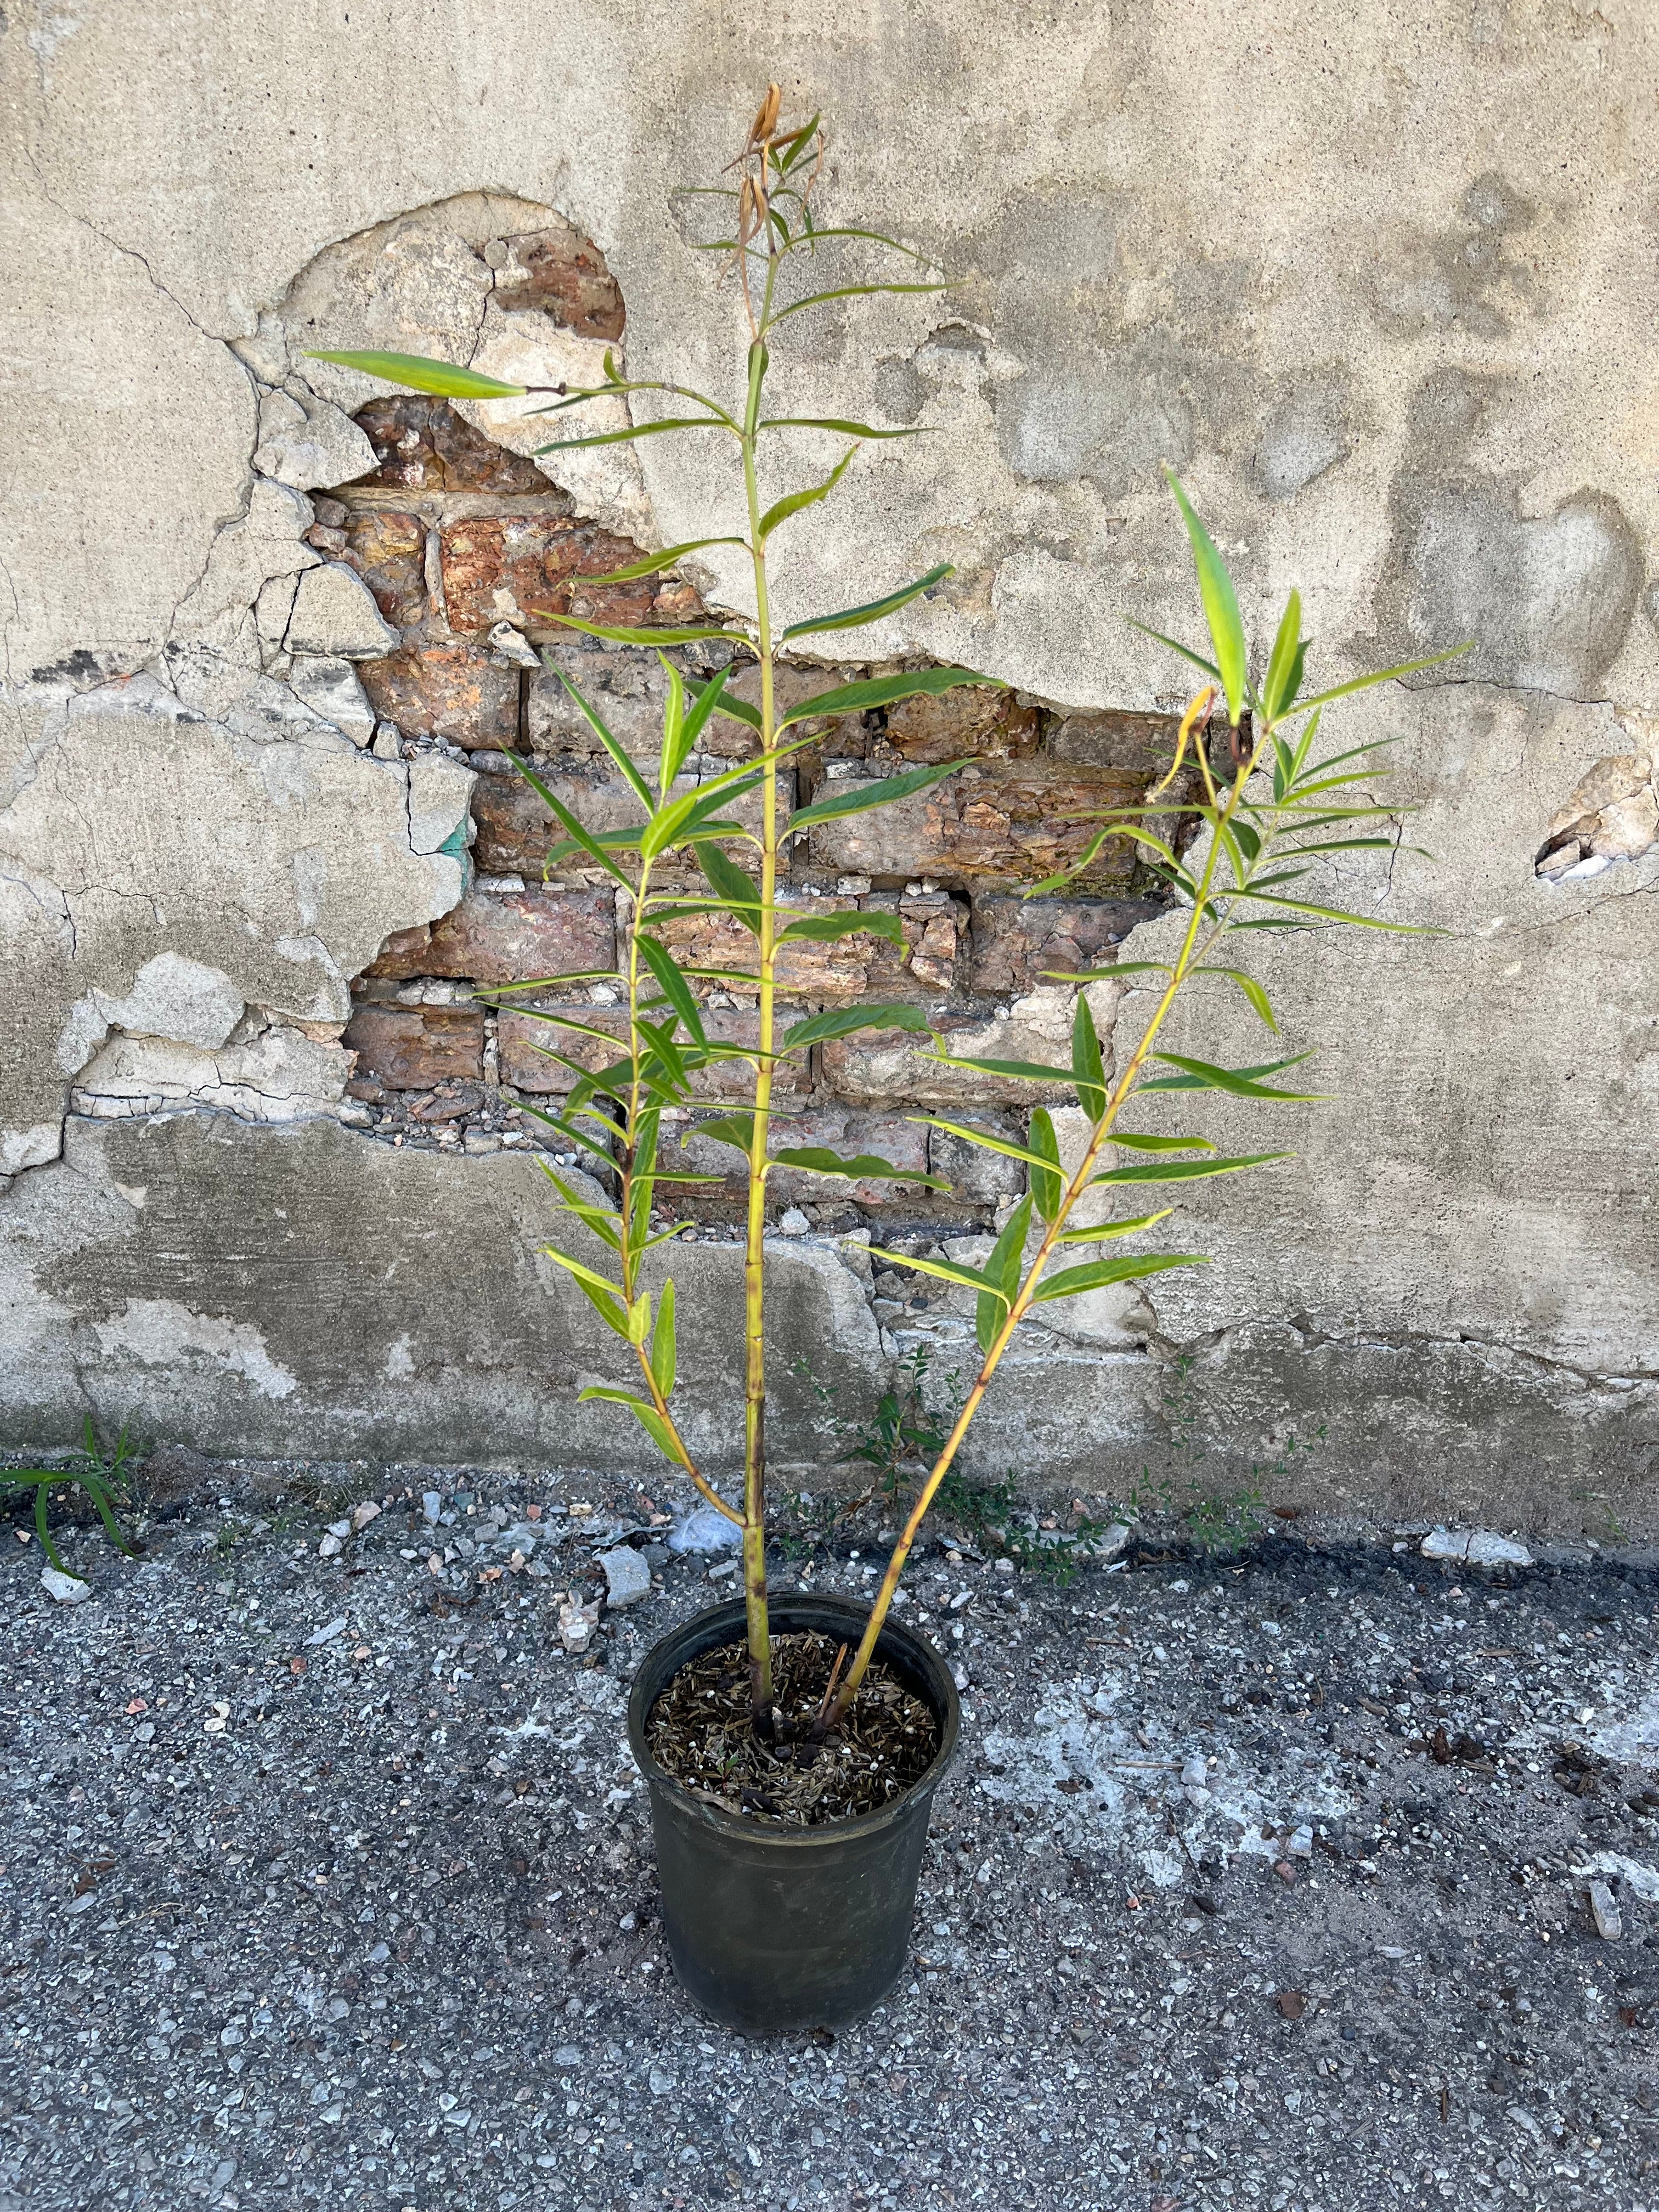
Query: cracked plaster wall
x=1387, y=338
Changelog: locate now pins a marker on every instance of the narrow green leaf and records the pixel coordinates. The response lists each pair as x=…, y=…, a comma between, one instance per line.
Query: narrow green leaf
x=1048, y=1181
x=872, y=609
x=1188, y=1170
x=1099, y=1275
x=844, y=1021
x=419, y=373
x=1132, y=1143
x=704, y=704
x=1175, y=646
x=1017, y=1070
x=639, y=1319
x=793, y=503
x=849, y=292
x=1119, y=968
x=826, y=929
x=882, y=691
x=1002, y=1270
x=737, y=1130
x=739, y=894
x=1252, y=990
x=578, y=836
x=1276, y=691
x=1215, y=588
x=1103, y=1231
x=637, y=430
x=816, y=1159
x=1251, y=1074
x=1338, y=914
x=600, y=1294
x=654, y=564
x=1381, y=676
x=631, y=775
x=852, y=798
x=983, y=1138
x=947, y=1271
x=735, y=710
x=648, y=1416
x=1087, y=1071
x=690, y=634
x=675, y=988
x=1238, y=1082
x=832, y=423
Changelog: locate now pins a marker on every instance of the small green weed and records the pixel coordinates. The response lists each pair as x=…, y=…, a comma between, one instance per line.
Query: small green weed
x=901, y=1437
x=104, y=1480
x=1222, y=1524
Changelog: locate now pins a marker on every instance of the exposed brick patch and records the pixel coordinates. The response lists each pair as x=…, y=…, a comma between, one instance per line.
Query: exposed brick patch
x=1014, y=939
x=414, y=1048
x=461, y=692
x=973, y=721
x=423, y=445
x=509, y=937
x=520, y=568
x=1004, y=821
x=387, y=548
x=562, y=275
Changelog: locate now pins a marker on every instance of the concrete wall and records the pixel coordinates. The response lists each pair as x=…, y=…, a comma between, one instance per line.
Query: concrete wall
x=1383, y=290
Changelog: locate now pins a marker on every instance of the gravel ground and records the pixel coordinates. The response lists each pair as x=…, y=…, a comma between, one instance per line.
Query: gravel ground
x=1258, y=1881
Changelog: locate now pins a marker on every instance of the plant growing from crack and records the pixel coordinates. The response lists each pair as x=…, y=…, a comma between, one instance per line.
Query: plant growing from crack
x=100, y=1476
x=1271, y=806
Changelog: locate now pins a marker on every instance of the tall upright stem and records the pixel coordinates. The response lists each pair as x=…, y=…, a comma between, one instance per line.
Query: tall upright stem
x=754, y=1423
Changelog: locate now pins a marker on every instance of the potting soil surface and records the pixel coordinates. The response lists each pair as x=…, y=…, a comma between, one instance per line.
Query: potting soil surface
x=701, y=1731
x=1319, y=1880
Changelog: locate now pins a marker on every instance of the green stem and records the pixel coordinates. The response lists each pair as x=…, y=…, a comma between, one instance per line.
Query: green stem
x=1191, y=953
x=754, y=1284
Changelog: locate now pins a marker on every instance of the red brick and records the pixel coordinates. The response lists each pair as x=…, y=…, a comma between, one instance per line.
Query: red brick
x=972, y=721
x=565, y=277
x=519, y=567
x=1000, y=820
x=1014, y=939
x=413, y=1048
x=456, y=691
x=388, y=550
x=423, y=445
x=509, y=937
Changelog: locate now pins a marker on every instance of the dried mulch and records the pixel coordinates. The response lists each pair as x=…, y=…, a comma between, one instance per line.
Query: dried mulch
x=701, y=1731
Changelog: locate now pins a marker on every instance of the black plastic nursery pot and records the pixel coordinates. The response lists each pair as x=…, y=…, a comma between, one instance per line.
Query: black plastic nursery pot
x=777, y=1930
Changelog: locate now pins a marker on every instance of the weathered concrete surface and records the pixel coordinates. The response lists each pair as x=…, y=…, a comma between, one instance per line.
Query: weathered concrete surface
x=266, y=1289
x=1387, y=340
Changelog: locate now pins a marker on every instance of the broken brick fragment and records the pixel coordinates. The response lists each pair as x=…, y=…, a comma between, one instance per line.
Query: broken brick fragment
x=508, y=937
x=461, y=692
x=562, y=275
x=423, y=445
x=388, y=550
x=522, y=569
x=414, y=1048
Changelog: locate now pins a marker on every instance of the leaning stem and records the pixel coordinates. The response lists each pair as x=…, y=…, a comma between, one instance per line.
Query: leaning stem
x=1191, y=953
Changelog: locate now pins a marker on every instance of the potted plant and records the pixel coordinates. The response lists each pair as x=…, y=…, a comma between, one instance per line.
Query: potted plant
x=793, y=1747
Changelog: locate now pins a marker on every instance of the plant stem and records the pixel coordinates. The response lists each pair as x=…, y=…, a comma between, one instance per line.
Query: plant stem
x=754, y=1424
x=1191, y=951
